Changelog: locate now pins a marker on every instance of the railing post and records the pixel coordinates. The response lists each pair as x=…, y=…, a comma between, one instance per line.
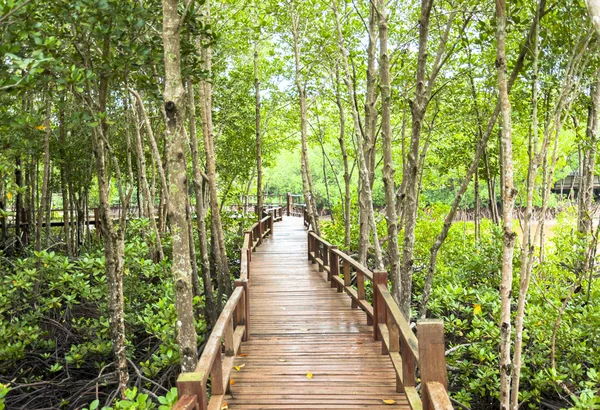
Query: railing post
x=190, y=384
x=379, y=308
x=243, y=311
x=394, y=345
x=309, y=243
x=324, y=253
x=289, y=204
x=432, y=357
x=261, y=231
x=272, y=222
x=348, y=280
x=334, y=267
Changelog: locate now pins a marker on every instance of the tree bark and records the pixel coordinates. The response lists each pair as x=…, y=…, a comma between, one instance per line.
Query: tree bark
x=508, y=200
x=64, y=178
x=174, y=96
x=259, y=173
x=148, y=197
x=344, y=152
x=211, y=169
x=368, y=134
x=307, y=184
x=418, y=109
x=210, y=311
x=388, y=162
x=45, y=178
x=586, y=189
x=365, y=197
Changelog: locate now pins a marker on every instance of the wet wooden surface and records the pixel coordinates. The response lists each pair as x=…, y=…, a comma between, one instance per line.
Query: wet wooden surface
x=308, y=349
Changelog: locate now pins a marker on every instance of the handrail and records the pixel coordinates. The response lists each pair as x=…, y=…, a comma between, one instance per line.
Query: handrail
x=406, y=351
x=231, y=329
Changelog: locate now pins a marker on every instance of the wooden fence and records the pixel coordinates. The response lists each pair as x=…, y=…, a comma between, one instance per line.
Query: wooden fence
x=406, y=351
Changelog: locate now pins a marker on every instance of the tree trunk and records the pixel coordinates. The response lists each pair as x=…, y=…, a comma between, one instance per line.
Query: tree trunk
x=307, y=190
x=344, y=152
x=365, y=197
x=368, y=134
x=586, y=188
x=211, y=169
x=388, y=162
x=64, y=178
x=418, y=109
x=210, y=311
x=141, y=161
x=508, y=200
x=19, y=200
x=527, y=247
x=46, y=176
x=259, y=174
x=174, y=96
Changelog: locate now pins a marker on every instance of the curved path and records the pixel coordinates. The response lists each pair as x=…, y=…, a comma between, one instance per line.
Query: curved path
x=308, y=348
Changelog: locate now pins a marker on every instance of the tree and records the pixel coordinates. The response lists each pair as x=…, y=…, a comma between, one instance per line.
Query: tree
x=174, y=96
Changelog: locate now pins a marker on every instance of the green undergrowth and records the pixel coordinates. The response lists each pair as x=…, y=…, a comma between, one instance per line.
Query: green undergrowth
x=466, y=296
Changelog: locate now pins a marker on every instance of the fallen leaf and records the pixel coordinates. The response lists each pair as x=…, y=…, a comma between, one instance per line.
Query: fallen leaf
x=238, y=368
x=360, y=342
x=309, y=375
x=389, y=402
x=231, y=382
x=282, y=360
x=476, y=309
x=224, y=406
x=243, y=355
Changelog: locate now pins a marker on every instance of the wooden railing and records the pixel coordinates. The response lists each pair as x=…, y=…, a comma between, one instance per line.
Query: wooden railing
x=407, y=352
x=276, y=212
x=232, y=327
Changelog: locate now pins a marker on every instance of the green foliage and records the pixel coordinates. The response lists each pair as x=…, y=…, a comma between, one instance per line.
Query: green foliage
x=135, y=400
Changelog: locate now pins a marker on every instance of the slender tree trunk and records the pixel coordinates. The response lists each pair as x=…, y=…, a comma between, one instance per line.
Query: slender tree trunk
x=368, y=134
x=45, y=178
x=259, y=173
x=508, y=200
x=211, y=169
x=586, y=188
x=149, y=198
x=527, y=247
x=418, y=109
x=19, y=200
x=344, y=152
x=210, y=311
x=388, y=162
x=308, y=192
x=64, y=177
x=365, y=197
x=174, y=96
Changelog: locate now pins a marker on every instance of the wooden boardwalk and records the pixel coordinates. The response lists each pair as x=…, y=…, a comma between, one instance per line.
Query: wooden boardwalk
x=308, y=348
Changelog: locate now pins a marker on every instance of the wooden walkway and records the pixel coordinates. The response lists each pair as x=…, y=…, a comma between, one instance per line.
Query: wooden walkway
x=308, y=348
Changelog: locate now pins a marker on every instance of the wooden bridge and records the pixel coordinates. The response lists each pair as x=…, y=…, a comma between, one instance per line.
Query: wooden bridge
x=299, y=332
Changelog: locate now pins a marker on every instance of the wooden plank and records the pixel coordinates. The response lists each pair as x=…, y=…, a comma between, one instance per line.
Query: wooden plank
x=186, y=403
x=406, y=333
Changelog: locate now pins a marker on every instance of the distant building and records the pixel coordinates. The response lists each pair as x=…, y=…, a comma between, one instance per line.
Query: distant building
x=572, y=182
